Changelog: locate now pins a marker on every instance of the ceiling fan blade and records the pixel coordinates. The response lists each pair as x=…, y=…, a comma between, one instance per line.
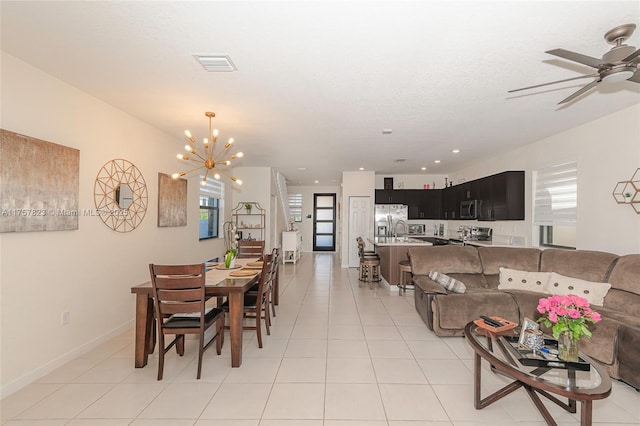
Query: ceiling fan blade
x=584, y=89
x=577, y=57
x=634, y=57
x=553, y=82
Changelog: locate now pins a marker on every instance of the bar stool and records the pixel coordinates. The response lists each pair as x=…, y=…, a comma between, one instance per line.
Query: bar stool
x=370, y=270
x=405, y=276
x=369, y=264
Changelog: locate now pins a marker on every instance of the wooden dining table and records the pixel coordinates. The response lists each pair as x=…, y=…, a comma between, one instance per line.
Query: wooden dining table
x=220, y=283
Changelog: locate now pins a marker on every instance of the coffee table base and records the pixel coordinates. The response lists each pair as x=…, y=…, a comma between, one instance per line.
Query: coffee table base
x=586, y=410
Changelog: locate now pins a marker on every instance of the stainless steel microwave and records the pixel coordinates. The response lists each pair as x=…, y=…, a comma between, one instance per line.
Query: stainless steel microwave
x=416, y=229
x=469, y=209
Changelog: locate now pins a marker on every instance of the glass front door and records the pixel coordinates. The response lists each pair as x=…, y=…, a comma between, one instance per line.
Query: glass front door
x=324, y=222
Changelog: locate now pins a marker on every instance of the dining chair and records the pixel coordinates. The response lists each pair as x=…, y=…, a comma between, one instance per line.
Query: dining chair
x=250, y=248
x=256, y=304
x=179, y=300
x=275, y=276
x=272, y=280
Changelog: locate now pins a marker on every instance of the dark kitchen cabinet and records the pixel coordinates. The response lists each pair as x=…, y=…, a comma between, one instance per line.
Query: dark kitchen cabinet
x=451, y=197
x=423, y=204
x=501, y=196
x=483, y=189
x=390, y=196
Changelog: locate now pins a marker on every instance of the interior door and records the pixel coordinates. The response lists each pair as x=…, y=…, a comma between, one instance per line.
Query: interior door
x=324, y=222
x=360, y=225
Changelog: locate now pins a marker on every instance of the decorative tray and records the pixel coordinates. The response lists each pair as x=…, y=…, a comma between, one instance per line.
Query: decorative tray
x=528, y=358
x=508, y=325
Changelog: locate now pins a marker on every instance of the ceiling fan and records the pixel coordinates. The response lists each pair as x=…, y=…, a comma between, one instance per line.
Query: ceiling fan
x=618, y=64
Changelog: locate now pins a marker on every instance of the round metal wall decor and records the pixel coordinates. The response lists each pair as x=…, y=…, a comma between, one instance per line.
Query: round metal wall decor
x=120, y=195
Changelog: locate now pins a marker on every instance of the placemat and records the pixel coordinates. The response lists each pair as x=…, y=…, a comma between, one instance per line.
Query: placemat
x=243, y=273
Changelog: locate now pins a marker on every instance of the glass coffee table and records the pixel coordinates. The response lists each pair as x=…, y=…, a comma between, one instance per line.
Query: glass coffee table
x=551, y=382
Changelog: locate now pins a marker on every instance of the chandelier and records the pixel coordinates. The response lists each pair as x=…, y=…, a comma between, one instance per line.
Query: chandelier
x=205, y=156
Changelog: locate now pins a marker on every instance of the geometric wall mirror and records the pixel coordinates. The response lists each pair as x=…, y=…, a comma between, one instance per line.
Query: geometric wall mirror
x=120, y=195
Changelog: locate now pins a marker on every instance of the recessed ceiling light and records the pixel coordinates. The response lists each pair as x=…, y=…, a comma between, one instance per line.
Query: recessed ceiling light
x=361, y=168
x=387, y=131
x=316, y=181
x=437, y=161
x=216, y=63
x=423, y=168
x=455, y=151
x=302, y=169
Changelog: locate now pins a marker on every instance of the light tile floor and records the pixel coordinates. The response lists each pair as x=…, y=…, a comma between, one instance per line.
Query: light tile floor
x=338, y=355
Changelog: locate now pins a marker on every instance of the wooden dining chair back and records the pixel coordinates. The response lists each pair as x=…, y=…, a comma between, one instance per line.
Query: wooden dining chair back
x=179, y=301
x=256, y=303
x=275, y=276
x=250, y=248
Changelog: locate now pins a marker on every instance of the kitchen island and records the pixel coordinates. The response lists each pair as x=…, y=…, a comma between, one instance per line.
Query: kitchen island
x=392, y=250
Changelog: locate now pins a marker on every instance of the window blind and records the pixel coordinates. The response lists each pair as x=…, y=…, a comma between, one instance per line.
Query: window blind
x=295, y=207
x=213, y=189
x=556, y=198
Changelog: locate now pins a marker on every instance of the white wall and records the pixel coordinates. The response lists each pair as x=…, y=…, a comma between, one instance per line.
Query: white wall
x=361, y=184
x=306, y=226
x=258, y=184
x=607, y=151
x=415, y=181
x=89, y=271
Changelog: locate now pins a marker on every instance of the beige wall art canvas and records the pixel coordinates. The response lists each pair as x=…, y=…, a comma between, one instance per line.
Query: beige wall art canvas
x=172, y=201
x=39, y=184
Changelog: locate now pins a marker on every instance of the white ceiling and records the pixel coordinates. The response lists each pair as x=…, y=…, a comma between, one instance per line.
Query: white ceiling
x=318, y=81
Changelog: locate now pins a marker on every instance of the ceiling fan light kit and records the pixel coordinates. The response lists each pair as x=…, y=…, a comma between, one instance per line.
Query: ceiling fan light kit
x=617, y=65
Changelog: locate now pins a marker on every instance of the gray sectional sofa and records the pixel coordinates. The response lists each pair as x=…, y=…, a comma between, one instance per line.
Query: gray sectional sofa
x=616, y=338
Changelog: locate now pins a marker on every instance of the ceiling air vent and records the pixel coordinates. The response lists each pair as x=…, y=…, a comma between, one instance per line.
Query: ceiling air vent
x=216, y=63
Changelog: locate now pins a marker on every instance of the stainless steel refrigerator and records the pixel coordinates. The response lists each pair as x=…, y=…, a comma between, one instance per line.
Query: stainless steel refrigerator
x=387, y=216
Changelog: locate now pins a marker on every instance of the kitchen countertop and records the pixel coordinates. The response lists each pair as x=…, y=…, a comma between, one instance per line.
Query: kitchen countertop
x=399, y=241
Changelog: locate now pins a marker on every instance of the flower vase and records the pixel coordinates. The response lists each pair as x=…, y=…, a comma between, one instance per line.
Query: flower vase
x=229, y=261
x=567, y=347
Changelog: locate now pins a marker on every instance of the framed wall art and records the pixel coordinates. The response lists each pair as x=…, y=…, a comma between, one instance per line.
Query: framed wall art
x=39, y=184
x=172, y=201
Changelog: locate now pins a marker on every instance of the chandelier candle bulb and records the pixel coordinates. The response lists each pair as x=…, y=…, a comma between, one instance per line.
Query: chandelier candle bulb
x=208, y=160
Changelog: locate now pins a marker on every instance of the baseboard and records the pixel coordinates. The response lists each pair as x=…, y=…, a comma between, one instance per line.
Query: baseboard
x=47, y=368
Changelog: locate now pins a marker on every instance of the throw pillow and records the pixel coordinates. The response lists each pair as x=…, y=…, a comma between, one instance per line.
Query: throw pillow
x=513, y=279
x=447, y=282
x=594, y=292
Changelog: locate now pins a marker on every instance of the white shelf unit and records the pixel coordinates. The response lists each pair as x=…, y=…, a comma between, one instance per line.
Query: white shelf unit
x=291, y=244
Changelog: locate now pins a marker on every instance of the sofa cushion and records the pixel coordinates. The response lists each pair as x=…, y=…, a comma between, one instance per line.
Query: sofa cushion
x=454, y=311
x=583, y=264
x=527, y=303
x=493, y=258
x=623, y=301
x=594, y=292
x=445, y=259
x=515, y=279
x=471, y=280
x=427, y=285
x=625, y=274
x=447, y=282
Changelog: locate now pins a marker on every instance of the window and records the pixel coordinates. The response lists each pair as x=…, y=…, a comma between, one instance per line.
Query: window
x=295, y=207
x=556, y=203
x=211, y=208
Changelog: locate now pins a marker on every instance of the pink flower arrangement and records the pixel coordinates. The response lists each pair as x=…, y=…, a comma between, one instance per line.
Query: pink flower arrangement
x=567, y=313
